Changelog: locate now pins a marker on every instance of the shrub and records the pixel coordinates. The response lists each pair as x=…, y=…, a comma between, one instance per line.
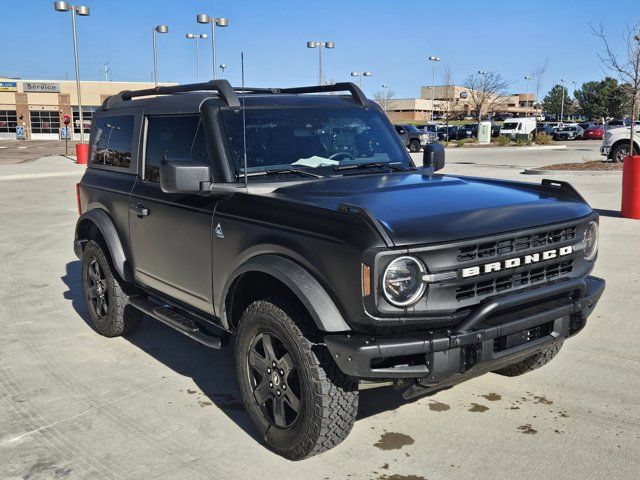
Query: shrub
x=543, y=139
x=521, y=142
x=501, y=140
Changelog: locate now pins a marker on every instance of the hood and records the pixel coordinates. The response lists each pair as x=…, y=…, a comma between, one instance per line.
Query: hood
x=420, y=209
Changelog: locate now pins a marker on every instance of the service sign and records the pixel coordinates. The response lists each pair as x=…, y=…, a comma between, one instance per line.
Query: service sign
x=8, y=86
x=41, y=87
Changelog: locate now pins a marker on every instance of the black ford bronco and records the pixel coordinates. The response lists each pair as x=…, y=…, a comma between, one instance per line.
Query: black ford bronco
x=297, y=224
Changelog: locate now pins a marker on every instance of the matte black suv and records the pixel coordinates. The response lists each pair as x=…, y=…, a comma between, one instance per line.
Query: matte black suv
x=298, y=224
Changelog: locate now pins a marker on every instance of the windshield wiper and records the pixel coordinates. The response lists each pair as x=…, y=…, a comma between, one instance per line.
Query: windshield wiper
x=356, y=166
x=278, y=171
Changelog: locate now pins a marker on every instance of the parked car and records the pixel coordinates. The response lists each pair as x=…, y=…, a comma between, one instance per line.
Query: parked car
x=431, y=129
x=518, y=126
x=569, y=132
x=615, y=142
x=502, y=116
x=554, y=125
x=295, y=229
x=545, y=128
x=453, y=132
x=413, y=138
x=594, y=132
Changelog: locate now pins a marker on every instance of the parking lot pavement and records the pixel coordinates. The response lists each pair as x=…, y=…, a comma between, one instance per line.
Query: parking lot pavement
x=74, y=404
x=14, y=151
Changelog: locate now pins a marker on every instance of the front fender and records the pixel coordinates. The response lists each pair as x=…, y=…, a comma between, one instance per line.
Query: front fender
x=303, y=284
x=104, y=224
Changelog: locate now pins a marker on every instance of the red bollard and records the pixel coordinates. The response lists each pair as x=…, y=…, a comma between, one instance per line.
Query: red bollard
x=82, y=153
x=631, y=187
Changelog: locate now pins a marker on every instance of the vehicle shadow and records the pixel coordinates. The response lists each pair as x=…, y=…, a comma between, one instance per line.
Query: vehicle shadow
x=213, y=371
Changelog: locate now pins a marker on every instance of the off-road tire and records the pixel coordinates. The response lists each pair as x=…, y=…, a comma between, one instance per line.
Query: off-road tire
x=328, y=398
x=121, y=318
x=617, y=155
x=531, y=363
x=414, y=146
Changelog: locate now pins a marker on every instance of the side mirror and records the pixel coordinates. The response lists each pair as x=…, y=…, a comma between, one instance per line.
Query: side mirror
x=433, y=156
x=187, y=176
x=184, y=176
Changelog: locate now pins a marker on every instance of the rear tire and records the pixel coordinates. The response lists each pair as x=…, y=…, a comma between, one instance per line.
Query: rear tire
x=107, y=302
x=309, y=406
x=414, y=146
x=531, y=363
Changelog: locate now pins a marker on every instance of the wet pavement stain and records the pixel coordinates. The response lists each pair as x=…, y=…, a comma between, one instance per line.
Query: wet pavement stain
x=393, y=441
x=527, y=429
x=385, y=466
x=563, y=414
x=542, y=400
x=492, y=397
x=205, y=403
x=476, y=407
x=191, y=392
x=401, y=477
x=438, y=406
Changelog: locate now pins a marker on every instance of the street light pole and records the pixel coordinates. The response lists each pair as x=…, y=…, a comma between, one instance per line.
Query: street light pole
x=157, y=29
x=214, y=21
x=197, y=37
x=360, y=76
x=320, y=46
x=433, y=83
x=483, y=73
x=386, y=96
x=562, y=80
x=526, y=98
x=222, y=67
x=83, y=12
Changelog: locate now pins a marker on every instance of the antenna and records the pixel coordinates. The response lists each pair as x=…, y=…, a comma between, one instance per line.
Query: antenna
x=244, y=123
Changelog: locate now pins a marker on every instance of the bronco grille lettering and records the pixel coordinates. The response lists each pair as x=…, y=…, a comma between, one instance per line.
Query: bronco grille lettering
x=516, y=261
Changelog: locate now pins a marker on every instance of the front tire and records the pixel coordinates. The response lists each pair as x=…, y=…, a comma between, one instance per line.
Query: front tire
x=533, y=362
x=297, y=398
x=621, y=151
x=414, y=146
x=107, y=302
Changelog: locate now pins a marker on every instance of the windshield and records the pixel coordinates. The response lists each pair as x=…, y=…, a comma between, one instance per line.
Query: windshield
x=566, y=129
x=311, y=138
x=412, y=129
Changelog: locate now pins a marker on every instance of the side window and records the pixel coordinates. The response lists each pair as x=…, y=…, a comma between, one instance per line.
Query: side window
x=400, y=130
x=112, y=140
x=173, y=138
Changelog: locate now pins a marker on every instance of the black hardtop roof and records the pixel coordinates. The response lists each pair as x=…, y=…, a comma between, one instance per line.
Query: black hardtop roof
x=188, y=98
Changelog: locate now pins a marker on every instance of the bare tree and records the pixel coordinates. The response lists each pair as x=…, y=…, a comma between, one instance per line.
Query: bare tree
x=626, y=66
x=487, y=90
x=383, y=97
x=538, y=78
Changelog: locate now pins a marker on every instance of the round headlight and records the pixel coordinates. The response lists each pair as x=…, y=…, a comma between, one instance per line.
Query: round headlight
x=591, y=241
x=402, y=281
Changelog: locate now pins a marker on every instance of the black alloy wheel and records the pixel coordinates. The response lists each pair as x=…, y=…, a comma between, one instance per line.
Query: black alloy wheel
x=98, y=291
x=274, y=379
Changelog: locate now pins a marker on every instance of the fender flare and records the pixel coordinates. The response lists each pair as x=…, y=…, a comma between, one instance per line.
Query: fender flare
x=303, y=284
x=104, y=224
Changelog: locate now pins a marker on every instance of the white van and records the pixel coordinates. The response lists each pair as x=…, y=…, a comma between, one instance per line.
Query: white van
x=513, y=126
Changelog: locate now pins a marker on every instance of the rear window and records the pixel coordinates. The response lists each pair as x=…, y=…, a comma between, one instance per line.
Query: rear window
x=112, y=141
x=510, y=125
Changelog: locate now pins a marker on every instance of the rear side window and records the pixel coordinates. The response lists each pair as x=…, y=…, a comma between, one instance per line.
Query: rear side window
x=112, y=142
x=173, y=138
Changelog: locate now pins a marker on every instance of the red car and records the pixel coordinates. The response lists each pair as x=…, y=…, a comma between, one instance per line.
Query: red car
x=594, y=132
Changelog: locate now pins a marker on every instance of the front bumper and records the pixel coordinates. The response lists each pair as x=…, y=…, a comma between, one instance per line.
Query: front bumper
x=498, y=332
x=604, y=150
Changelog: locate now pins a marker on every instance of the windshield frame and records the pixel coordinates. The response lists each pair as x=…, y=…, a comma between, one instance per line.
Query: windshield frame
x=238, y=172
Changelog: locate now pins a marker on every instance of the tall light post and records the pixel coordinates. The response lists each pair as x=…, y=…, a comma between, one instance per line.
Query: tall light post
x=386, y=96
x=222, y=67
x=360, y=76
x=215, y=22
x=320, y=46
x=526, y=98
x=484, y=74
x=83, y=12
x=563, y=81
x=196, y=37
x=154, y=30
x=433, y=83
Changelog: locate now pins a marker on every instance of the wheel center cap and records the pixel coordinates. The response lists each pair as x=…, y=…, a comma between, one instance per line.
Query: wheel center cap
x=275, y=378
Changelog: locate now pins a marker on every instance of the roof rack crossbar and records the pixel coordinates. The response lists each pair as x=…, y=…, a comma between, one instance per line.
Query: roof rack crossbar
x=222, y=87
x=356, y=93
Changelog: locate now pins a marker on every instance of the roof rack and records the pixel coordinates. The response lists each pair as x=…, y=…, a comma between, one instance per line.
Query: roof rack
x=228, y=94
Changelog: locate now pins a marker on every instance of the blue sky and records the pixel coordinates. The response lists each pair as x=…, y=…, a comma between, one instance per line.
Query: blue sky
x=389, y=38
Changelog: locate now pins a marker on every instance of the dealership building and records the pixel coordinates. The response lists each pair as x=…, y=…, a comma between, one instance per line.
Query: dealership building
x=36, y=108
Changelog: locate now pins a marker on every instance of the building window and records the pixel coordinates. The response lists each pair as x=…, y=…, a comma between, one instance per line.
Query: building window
x=45, y=121
x=87, y=116
x=8, y=121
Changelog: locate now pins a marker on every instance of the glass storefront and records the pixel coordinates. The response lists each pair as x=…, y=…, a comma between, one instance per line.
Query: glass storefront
x=8, y=121
x=87, y=115
x=45, y=121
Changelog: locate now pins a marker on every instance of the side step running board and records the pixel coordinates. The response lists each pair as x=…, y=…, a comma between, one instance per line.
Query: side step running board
x=176, y=321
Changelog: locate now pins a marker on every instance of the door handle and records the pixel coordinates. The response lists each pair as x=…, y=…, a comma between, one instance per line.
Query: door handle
x=139, y=209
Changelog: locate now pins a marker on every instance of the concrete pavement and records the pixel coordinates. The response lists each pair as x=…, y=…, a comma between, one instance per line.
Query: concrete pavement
x=157, y=405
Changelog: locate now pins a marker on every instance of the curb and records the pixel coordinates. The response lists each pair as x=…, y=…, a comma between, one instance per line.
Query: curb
x=515, y=149
x=571, y=172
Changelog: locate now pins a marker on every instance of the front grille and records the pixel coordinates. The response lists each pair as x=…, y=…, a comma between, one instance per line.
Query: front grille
x=500, y=284
x=515, y=244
